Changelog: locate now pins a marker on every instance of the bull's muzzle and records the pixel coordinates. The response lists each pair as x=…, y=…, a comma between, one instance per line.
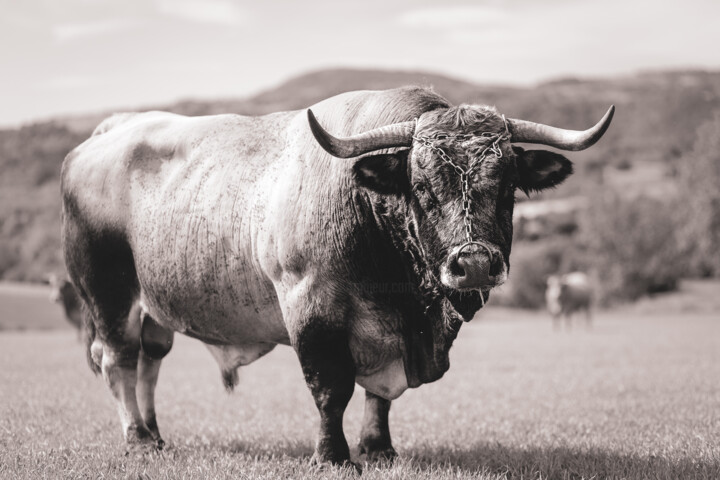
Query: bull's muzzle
x=473, y=266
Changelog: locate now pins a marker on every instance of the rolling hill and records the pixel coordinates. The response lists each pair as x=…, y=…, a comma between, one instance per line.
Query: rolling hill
x=658, y=114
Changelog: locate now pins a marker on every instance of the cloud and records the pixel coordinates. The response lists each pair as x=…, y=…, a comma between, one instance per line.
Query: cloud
x=453, y=17
x=67, y=82
x=72, y=31
x=218, y=12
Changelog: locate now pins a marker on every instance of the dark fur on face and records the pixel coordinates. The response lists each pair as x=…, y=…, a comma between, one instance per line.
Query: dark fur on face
x=465, y=136
x=427, y=216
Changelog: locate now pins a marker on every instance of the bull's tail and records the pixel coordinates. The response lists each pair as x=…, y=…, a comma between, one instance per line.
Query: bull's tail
x=88, y=328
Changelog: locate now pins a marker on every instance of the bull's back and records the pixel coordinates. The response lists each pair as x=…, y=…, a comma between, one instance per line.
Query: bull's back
x=182, y=192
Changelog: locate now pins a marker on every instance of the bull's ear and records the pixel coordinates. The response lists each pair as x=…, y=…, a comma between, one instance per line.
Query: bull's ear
x=385, y=173
x=541, y=169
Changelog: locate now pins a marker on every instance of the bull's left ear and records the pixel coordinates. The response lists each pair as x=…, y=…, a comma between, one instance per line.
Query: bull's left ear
x=541, y=169
x=384, y=173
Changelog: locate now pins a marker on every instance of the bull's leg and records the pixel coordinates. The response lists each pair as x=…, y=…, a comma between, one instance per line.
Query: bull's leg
x=330, y=374
x=375, y=434
x=101, y=265
x=588, y=319
x=156, y=342
x=148, y=370
x=120, y=370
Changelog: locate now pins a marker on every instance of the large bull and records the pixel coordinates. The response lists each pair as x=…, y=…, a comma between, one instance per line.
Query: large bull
x=248, y=232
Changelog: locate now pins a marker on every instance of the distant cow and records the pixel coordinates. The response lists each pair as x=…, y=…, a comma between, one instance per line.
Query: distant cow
x=567, y=294
x=63, y=292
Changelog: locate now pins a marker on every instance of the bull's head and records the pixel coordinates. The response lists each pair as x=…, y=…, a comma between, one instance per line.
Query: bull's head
x=458, y=170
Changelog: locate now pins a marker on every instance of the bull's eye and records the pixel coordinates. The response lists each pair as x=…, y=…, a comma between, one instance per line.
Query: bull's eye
x=424, y=195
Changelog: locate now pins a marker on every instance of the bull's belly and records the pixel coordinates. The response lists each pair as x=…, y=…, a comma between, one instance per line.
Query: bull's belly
x=220, y=315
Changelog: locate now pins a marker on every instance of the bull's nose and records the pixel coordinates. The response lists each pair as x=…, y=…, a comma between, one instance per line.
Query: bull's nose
x=472, y=270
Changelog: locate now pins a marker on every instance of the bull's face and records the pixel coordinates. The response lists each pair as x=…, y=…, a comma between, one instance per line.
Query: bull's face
x=458, y=174
x=462, y=177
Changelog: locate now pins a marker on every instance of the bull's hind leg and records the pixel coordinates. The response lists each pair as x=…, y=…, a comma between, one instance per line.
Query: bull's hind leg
x=148, y=369
x=101, y=265
x=155, y=342
x=375, y=434
x=120, y=371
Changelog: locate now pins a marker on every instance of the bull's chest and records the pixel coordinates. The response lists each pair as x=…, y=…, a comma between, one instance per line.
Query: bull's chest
x=378, y=346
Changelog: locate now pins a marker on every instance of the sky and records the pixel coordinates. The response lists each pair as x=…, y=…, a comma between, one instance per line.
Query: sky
x=72, y=56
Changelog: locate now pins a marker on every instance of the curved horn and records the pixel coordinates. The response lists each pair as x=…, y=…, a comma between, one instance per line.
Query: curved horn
x=530, y=132
x=396, y=135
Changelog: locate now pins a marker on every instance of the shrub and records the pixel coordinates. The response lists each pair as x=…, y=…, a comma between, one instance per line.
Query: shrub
x=698, y=175
x=632, y=246
x=531, y=264
x=8, y=257
x=624, y=164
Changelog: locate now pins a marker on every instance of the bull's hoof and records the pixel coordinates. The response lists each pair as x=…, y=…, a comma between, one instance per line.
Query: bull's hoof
x=139, y=440
x=321, y=463
x=385, y=455
x=155, y=434
x=378, y=453
x=141, y=449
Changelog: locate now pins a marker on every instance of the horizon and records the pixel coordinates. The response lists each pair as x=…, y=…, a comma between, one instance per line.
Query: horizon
x=109, y=110
x=85, y=57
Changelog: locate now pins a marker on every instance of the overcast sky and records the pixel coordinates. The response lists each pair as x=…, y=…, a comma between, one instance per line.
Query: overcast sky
x=62, y=56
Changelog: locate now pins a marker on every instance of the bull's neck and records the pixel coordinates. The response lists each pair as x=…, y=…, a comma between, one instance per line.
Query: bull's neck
x=391, y=215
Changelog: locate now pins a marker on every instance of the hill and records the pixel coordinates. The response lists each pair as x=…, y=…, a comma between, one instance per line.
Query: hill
x=657, y=116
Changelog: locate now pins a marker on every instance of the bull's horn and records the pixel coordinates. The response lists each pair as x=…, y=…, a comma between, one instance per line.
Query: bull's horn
x=396, y=135
x=530, y=132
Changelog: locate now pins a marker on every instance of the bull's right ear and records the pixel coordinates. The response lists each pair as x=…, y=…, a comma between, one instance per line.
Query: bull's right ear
x=384, y=173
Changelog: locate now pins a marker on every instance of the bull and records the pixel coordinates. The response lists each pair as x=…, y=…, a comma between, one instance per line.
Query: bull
x=363, y=247
x=569, y=294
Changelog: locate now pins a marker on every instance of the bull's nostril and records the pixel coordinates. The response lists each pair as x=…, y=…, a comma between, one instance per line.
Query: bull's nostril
x=455, y=269
x=496, y=265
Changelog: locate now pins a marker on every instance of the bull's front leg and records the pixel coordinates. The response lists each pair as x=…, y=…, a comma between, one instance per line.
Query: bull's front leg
x=330, y=374
x=375, y=434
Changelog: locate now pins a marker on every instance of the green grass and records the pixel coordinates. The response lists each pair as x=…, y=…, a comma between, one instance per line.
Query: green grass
x=638, y=397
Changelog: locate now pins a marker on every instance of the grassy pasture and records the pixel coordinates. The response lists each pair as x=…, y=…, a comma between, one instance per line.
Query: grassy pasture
x=637, y=397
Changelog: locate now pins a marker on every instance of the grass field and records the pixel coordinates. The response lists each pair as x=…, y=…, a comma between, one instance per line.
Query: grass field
x=637, y=397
